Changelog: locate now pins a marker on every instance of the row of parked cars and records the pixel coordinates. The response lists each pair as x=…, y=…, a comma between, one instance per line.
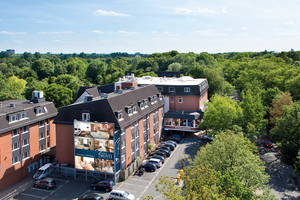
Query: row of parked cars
x=158, y=156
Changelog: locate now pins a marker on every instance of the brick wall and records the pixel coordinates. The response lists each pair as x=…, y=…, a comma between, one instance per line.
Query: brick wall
x=65, y=143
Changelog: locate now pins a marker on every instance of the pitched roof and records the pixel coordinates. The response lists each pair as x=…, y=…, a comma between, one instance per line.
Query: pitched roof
x=23, y=106
x=102, y=109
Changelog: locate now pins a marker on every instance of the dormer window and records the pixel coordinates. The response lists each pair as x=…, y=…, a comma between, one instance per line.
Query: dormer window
x=85, y=116
x=159, y=96
x=171, y=89
x=187, y=89
x=129, y=111
x=155, y=98
x=151, y=100
x=146, y=103
x=134, y=109
x=17, y=117
x=119, y=115
x=141, y=104
x=159, y=88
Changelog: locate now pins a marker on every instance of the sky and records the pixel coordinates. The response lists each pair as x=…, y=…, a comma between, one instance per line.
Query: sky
x=149, y=26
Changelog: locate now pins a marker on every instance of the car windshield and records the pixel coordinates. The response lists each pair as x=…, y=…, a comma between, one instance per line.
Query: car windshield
x=268, y=142
x=39, y=171
x=125, y=194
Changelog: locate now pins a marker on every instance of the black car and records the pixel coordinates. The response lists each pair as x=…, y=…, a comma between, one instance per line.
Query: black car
x=106, y=185
x=91, y=196
x=45, y=183
x=176, y=138
x=158, y=157
x=164, y=147
x=171, y=146
x=148, y=167
x=168, y=153
x=170, y=142
x=159, y=153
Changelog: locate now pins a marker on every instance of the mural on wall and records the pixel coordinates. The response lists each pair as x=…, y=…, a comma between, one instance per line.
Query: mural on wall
x=95, y=146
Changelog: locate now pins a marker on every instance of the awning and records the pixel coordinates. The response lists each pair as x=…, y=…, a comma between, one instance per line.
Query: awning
x=191, y=115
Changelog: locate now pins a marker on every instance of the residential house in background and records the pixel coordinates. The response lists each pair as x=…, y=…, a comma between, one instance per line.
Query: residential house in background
x=26, y=133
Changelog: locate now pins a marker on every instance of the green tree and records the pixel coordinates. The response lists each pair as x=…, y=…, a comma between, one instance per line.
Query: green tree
x=15, y=84
x=59, y=95
x=293, y=86
x=253, y=112
x=221, y=113
x=196, y=71
x=174, y=67
x=231, y=152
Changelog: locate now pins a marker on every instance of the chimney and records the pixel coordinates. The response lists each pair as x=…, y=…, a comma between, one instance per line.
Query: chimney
x=119, y=88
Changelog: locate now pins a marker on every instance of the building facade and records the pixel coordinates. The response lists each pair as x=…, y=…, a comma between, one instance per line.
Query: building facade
x=26, y=132
x=107, y=133
x=184, y=100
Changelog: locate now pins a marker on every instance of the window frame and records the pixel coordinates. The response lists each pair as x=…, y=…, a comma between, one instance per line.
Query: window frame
x=180, y=99
x=172, y=89
x=187, y=89
x=85, y=116
x=171, y=99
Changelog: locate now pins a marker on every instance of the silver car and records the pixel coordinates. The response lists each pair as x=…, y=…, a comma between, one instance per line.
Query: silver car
x=155, y=161
x=45, y=183
x=121, y=194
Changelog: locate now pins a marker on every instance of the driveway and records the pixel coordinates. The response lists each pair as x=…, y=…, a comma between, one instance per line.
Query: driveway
x=281, y=182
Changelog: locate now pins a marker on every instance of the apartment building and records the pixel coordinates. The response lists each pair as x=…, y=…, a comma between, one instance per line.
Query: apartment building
x=107, y=133
x=26, y=133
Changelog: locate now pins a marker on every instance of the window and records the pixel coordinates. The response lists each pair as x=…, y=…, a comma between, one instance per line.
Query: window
x=23, y=115
x=155, y=99
x=134, y=109
x=129, y=111
x=40, y=110
x=123, y=144
x=159, y=88
x=137, y=146
x=42, y=135
x=41, y=123
x=15, y=159
x=122, y=131
x=160, y=96
x=13, y=118
x=42, y=147
x=187, y=89
x=85, y=116
x=145, y=103
x=15, y=145
x=25, y=155
x=172, y=99
x=48, y=144
x=132, y=150
x=120, y=116
x=171, y=89
x=25, y=129
x=25, y=142
x=180, y=99
x=137, y=134
x=123, y=158
x=15, y=132
x=48, y=133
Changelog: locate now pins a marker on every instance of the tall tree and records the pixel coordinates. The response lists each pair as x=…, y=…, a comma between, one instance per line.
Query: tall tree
x=276, y=110
x=59, y=95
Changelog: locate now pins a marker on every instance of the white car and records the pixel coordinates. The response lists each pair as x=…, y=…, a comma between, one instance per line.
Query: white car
x=155, y=161
x=208, y=138
x=121, y=194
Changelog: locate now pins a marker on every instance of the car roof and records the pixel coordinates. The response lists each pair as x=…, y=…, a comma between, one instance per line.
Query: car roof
x=118, y=191
x=45, y=166
x=93, y=195
x=153, y=159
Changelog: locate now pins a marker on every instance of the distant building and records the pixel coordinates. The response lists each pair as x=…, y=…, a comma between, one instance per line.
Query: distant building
x=176, y=74
x=49, y=52
x=27, y=133
x=11, y=51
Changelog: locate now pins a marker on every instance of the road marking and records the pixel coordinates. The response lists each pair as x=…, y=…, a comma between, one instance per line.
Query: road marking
x=134, y=184
x=137, y=179
x=31, y=195
x=158, y=173
x=55, y=190
x=34, y=188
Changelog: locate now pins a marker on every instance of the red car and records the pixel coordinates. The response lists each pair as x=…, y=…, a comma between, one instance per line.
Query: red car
x=268, y=143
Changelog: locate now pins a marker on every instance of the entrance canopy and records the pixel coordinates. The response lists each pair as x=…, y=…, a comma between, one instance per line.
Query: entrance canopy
x=191, y=115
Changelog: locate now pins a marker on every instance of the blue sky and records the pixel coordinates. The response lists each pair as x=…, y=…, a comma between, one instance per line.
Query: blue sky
x=148, y=26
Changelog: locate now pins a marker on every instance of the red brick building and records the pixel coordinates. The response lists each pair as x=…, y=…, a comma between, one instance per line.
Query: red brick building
x=26, y=132
x=109, y=130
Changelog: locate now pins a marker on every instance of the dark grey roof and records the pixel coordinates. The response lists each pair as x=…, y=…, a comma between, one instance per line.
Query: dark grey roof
x=102, y=109
x=191, y=115
x=107, y=88
x=95, y=91
x=20, y=106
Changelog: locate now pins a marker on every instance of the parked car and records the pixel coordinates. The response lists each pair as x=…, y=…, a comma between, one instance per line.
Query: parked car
x=91, y=196
x=176, y=138
x=158, y=153
x=157, y=162
x=171, y=146
x=164, y=147
x=121, y=194
x=148, y=167
x=168, y=153
x=208, y=138
x=268, y=143
x=47, y=183
x=170, y=142
x=161, y=158
x=106, y=185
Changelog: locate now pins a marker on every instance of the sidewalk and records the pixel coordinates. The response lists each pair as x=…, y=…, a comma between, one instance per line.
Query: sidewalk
x=16, y=188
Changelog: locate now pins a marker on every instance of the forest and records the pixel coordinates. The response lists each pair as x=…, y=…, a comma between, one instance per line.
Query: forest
x=267, y=82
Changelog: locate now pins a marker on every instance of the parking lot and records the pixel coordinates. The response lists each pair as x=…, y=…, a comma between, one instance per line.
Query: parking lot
x=140, y=186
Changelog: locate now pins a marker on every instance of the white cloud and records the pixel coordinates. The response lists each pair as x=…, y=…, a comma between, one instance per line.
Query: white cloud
x=0, y=19
x=289, y=23
x=154, y=32
x=209, y=32
x=127, y=33
x=191, y=19
x=13, y=33
x=182, y=10
x=63, y=32
x=96, y=31
x=198, y=11
x=289, y=33
x=244, y=28
x=109, y=13
x=40, y=22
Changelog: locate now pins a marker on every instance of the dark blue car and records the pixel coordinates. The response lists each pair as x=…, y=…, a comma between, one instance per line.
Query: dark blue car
x=167, y=152
x=106, y=185
x=148, y=167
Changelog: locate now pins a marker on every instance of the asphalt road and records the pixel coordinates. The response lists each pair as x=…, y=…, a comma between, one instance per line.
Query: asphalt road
x=281, y=182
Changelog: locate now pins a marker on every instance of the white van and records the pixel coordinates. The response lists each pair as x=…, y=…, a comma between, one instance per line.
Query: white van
x=42, y=172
